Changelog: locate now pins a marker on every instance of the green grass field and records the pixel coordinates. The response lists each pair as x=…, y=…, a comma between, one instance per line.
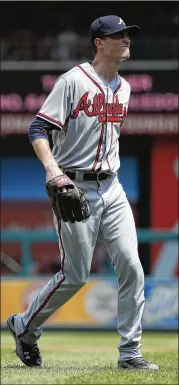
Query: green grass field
x=89, y=358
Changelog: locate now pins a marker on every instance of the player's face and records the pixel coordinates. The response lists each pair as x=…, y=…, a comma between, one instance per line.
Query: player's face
x=117, y=46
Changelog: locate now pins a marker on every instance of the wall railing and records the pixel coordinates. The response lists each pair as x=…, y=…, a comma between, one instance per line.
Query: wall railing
x=26, y=238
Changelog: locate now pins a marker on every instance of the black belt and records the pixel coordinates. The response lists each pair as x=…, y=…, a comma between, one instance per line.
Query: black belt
x=93, y=176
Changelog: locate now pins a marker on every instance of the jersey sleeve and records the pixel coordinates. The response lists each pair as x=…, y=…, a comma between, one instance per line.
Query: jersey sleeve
x=57, y=106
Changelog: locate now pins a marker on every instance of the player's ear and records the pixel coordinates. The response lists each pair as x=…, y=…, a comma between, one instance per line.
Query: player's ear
x=98, y=42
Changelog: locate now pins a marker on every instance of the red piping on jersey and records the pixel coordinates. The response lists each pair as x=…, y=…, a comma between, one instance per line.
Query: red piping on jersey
x=94, y=81
x=50, y=119
x=49, y=295
x=99, y=147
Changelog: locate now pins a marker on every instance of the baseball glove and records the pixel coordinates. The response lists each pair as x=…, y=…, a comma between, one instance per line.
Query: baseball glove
x=68, y=202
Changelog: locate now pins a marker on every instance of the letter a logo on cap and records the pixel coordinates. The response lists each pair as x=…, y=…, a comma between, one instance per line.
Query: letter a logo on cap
x=121, y=21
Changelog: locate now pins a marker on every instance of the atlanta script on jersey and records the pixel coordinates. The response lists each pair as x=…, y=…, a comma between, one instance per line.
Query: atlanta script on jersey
x=88, y=114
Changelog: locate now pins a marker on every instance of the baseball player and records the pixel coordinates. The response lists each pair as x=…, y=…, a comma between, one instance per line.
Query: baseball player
x=84, y=113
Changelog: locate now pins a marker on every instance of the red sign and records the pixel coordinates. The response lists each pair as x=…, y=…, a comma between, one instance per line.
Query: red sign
x=164, y=205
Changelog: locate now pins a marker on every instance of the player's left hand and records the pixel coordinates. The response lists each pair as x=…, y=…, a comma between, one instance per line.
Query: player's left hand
x=68, y=202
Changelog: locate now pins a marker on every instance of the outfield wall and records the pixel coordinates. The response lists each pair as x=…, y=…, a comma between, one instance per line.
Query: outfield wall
x=95, y=305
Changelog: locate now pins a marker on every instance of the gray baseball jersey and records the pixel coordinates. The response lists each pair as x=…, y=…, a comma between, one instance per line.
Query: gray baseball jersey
x=88, y=114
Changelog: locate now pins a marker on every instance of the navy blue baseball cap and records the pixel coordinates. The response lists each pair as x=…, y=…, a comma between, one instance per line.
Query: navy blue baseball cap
x=108, y=25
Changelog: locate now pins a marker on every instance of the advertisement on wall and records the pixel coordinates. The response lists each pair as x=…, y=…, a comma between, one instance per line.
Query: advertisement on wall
x=164, y=205
x=95, y=305
x=153, y=104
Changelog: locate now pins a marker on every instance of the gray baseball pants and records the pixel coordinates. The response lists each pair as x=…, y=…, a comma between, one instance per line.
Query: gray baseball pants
x=112, y=223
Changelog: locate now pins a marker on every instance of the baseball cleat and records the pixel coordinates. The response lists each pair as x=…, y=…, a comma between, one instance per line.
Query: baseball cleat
x=137, y=363
x=28, y=354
